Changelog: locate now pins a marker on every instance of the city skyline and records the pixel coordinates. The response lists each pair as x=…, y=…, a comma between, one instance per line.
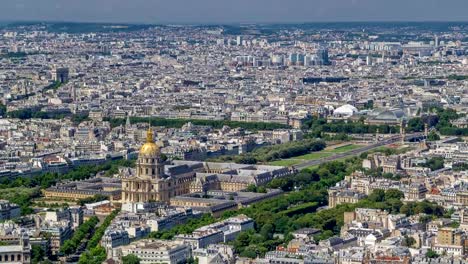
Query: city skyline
x=233, y=132
x=219, y=12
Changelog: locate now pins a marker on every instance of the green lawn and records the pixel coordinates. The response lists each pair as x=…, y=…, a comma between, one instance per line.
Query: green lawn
x=286, y=162
x=10, y=193
x=345, y=148
x=312, y=167
x=314, y=155
x=299, y=159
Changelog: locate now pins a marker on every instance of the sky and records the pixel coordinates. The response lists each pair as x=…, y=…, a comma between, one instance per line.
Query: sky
x=232, y=11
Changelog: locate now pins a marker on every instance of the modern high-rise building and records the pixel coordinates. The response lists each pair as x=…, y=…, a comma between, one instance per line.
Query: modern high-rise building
x=300, y=59
x=239, y=40
x=322, y=56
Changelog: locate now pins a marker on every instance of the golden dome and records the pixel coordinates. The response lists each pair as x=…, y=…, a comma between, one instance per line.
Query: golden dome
x=149, y=148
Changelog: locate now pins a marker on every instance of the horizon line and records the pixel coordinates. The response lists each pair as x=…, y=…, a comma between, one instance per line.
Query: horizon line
x=232, y=23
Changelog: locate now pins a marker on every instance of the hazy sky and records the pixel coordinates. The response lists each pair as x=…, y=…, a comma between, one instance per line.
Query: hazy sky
x=233, y=11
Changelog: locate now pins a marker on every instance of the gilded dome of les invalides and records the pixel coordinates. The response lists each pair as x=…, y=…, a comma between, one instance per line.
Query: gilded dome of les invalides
x=149, y=148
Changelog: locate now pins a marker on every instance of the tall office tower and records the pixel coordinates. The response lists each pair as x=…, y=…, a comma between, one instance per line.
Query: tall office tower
x=322, y=55
x=301, y=59
x=436, y=41
x=239, y=40
x=307, y=60
x=220, y=42
x=60, y=74
x=293, y=58
x=277, y=60
x=104, y=49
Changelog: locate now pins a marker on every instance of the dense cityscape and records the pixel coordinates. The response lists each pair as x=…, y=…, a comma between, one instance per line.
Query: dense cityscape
x=313, y=143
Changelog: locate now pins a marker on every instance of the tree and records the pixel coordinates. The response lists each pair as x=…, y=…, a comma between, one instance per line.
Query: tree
x=192, y=260
x=433, y=136
x=243, y=239
x=68, y=247
x=395, y=206
x=267, y=231
x=251, y=188
x=409, y=241
x=434, y=163
x=460, y=167
x=415, y=125
x=130, y=259
x=394, y=194
x=37, y=254
x=163, y=157
x=425, y=219
x=3, y=110
x=369, y=104
x=377, y=196
x=94, y=256
x=248, y=253
x=431, y=254
x=93, y=199
x=261, y=189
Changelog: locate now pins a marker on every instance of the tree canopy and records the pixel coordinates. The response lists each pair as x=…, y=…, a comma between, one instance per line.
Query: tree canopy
x=130, y=259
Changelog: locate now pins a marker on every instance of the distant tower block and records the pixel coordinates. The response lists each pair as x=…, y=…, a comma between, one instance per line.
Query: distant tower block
x=377, y=135
x=60, y=74
x=426, y=130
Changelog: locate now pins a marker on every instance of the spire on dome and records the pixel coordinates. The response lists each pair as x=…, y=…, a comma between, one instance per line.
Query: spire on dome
x=149, y=136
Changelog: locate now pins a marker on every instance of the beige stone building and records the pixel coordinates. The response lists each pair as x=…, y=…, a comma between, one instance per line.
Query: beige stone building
x=159, y=180
x=336, y=197
x=150, y=182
